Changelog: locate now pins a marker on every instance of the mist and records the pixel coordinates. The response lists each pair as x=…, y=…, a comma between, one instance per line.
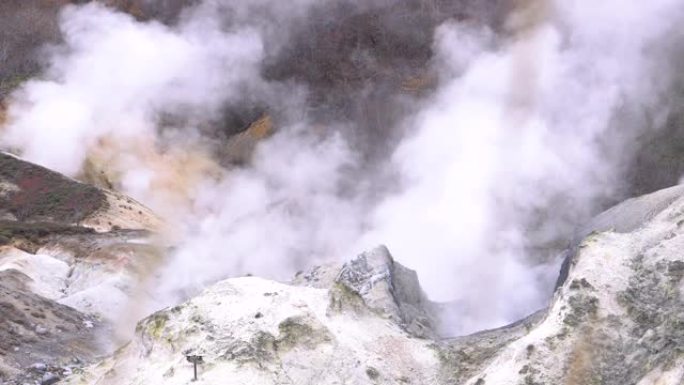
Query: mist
x=524, y=128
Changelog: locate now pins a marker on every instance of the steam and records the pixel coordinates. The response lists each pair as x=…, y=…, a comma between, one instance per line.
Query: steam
x=519, y=128
x=113, y=74
x=516, y=146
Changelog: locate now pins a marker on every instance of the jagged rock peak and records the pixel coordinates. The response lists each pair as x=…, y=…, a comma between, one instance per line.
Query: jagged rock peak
x=385, y=287
x=254, y=331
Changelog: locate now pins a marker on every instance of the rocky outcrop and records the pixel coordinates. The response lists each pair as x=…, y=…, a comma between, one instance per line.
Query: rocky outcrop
x=615, y=319
x=57, y=312
x=375, y=282
x=253, y=331
x=72, y=258
x=40, y=336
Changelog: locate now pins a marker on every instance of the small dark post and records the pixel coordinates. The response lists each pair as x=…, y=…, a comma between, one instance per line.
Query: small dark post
x=195, y=360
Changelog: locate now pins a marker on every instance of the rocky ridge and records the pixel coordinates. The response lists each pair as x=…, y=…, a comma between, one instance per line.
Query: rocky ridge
x=615, y=317
x=251, y=330
x=71, y=258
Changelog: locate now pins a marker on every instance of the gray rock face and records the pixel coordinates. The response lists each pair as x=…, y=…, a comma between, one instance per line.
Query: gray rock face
x=463, y=357
x=386, y=288
x=253, y=331
x=631, y=214
x=626, y=217
x=319, y=277
x=34, y=328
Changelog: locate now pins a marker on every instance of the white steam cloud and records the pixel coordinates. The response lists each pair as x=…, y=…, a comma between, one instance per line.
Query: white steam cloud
x=113, y=74
x=520, y=126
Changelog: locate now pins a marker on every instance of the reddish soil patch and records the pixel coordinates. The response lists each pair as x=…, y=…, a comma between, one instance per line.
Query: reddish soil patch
x=44, y=195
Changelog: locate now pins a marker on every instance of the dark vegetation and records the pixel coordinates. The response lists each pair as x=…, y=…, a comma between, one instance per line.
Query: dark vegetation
x=27, y=26
x=33, y=193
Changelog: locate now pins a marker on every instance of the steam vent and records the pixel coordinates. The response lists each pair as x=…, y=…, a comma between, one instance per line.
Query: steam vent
x=341, y=192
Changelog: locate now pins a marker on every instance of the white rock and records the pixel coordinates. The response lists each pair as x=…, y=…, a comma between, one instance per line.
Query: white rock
x=48, y=274
x=617, y=318
x=253, y=331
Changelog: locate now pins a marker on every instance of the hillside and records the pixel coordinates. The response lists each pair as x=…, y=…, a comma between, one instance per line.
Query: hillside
x=462, y=192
